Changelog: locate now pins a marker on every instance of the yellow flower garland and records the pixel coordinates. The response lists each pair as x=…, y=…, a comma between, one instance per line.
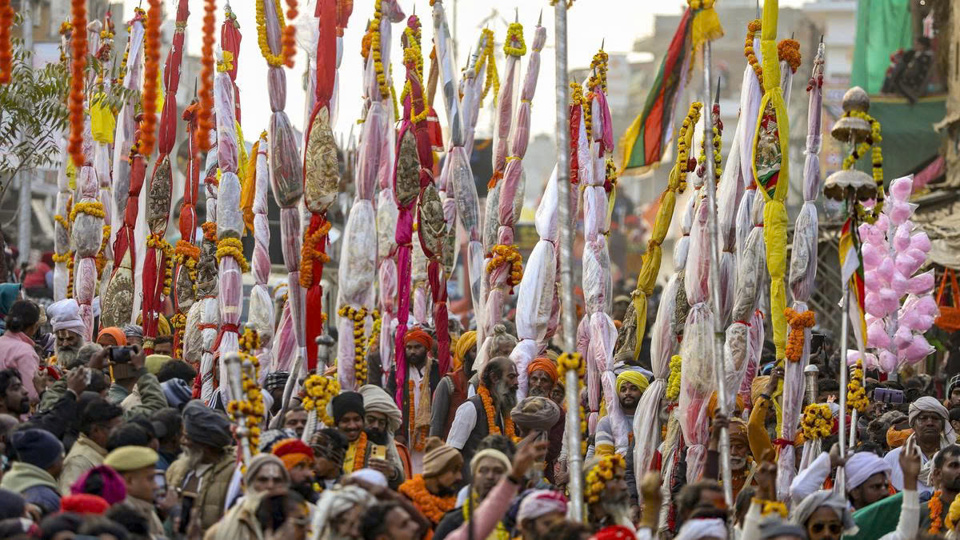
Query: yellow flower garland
x=514, y=45
x=310, y=254
x=574, y=362
x=374, y=331
x=817, y=421
x=231, y=247
x=94, y=209
x=251, y=405
x=487, y=59
x=376, y=51
x=872, y=143
x=163, y=246
x=717, y=143
x=275, y=60
x=62, y=221
x=684, y=139
x=358, y=316
x=798, y=322
x=673, y=382
x=600, y=474
x=856, y=393
x=318, y=391
x=748, y=51
x=503, y=255
x=770, y=507
x=101, y=258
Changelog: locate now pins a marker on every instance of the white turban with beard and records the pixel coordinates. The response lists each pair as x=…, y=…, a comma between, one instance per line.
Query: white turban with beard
x=333, y=503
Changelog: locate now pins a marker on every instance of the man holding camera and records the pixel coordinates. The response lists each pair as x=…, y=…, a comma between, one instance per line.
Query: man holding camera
x=130, y=376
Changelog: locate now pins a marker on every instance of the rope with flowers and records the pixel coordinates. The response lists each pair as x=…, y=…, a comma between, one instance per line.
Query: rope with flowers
x=502, y=255
x=160, y=244
x=358, y=317
x=289, y=39
x=151, y=50
x=205, y=117
x=717, y=134
x=318, y=391
x=936, y=513
x=101, y=259
x=953, y=515
x=376, y=50
x=514, y=45
x=817, y=421
x=872, y=143
x=6, y=49
x=493, y=428
x=771, y=507
x=753, y=27
x=187, y=254
x=673, y=381
x=78, y=44
x=684, y=139
x=231, y=247
x=251, y=407
x=91, y=208
x=413, y=59
x=856, y=393
x=600, y=474
x=574, y=362
x=374, y=339
x=798, y=322
x=313, y=251
x=275, y=60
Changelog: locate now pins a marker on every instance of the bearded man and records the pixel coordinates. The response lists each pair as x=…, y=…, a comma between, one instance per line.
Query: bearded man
x=455, y=387
x=543, y=381
x=69, y=329
x=605, y=492
x=487, y=467
x=205, y=468
x=488, y=412
x=418, y=384
x=931, y=424
x=945, y=476
x=382, y=420
x=297, y=458
x=340, y=512
x=630, y=386
x=434, y=493
x=329, y=448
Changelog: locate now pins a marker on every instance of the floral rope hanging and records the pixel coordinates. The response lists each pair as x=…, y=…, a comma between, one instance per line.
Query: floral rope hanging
x=78, y=43
x=205, y=117
x=358, y=317
x=574, y=362
x=856, y=393
x=6, y=49
x=750, y=53
x=798, y=322
x=817, y=421
x=600, y=474
x=318, y=391
x=148, y=126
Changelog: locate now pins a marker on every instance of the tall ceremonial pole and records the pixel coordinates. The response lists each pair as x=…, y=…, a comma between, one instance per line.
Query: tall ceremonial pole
x=710, y=185
x=574, y=459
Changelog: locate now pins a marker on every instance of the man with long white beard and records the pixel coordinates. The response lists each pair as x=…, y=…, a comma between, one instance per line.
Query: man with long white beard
x=488, y=412
x=204, y=470
x=605, y=492
x=68, y=328
x=339, y=512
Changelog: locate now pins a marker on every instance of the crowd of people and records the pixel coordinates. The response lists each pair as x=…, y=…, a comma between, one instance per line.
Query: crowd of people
x=99, y=440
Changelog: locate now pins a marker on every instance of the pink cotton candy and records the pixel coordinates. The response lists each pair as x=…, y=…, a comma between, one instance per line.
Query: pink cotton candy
x=871, y=256
x=903, y=338
x=899, y=284
x=917, y=350
x=909, y=261
x=872, y=280
x=877, y=337
x=920, y=242
x=927, y=306
x=886, y=269
x=873, y=304
x=921, y=284
x=882, y=223
x=871, y=234
x=901, y=212
x=901, y=238
x=889, y=299
x=901, y=188
x=887, y=361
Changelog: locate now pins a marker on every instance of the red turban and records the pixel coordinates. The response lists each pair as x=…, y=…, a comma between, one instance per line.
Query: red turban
x=419, y=336
x=84, y=503
x=292, y=452
x=543, y=364
x=614, y=532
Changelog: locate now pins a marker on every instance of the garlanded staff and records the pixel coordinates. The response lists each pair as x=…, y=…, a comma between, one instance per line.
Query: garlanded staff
x=158, y=263
x=646, y=424
x=262, y=316
x=187, y=341
x=504, y=267
x=208, y=279
x=103, y=126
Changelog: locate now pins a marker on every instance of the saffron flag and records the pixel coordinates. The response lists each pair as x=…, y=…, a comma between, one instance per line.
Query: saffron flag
x=851, y=270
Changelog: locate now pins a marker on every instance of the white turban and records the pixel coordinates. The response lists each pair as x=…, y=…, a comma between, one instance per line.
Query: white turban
x=539, y=503
x=695, y=529
x=65, y=315
x=370, y=476
x=862, y=466
x=377, y=400
x=800, y=513
x=928, y=404
x=334, y=502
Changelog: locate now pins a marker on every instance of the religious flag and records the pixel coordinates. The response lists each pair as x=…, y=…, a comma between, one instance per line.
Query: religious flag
x=851, y=270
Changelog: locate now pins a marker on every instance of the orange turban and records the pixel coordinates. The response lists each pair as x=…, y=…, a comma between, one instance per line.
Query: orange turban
x=545, y=365
x=419, y=336
x=114, y=332
x=896, y=438
x=292, y=452
x=712, y=406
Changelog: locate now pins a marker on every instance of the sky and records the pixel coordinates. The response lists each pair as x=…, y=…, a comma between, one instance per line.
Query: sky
x=617, y=22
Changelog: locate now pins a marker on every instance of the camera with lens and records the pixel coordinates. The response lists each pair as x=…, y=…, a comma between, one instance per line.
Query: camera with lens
x=122, y=355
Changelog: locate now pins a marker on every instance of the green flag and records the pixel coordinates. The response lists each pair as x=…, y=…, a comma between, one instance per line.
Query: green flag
x=883, y=26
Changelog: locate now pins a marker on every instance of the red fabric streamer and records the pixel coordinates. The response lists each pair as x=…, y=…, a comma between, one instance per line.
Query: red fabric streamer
x=314, y=295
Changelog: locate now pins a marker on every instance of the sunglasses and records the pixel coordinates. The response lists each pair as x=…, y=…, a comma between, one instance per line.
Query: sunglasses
x=834, y=528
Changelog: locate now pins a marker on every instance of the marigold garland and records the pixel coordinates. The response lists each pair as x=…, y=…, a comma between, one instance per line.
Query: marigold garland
x=179, y=323
x=717, y=144
x=418, y=439
x=289, y=39
x=788, y=50
x=673, y=381
x=598, y=67
x=770, y=507
x=514, y=45
x=502, y=255
x=752, y=28
x=62, y=221
x=374, y=332
x=413, y=60
x=101, y=259
x=600, y=474
x=501, y=533
x=494, y=429
x=953, y=514
x=187, y=255
x=231, y=247
x=798, y=322
x=209, y=231
x=78, y=43
x=358, y=317
x=872, y=143
x=817, y=421
x=310, y=253
x=684, y=139
x=360, y=452
x=318, y=391
x=151, y=67
x=486, y=58
x=856, y=393
x=275, y=60
x=157, y=242
x=574, y=361
x=205, y=116
x=91, y=208
x=376, y=49
x=936, y=513
x=430, y=505
x=71, y=261
x=6, y=49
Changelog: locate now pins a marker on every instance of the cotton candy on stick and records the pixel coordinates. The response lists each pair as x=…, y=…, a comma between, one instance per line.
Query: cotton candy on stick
x=803, y=274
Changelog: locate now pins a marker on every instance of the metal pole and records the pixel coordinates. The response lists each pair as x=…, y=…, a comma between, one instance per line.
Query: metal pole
x=810, y=374
x=844, y=328
x=710, y=186
x=574, y=459
x=25, y=215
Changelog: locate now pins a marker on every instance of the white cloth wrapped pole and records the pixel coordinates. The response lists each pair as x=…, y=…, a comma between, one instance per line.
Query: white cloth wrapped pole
x=126, y=124
x=262, y=315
